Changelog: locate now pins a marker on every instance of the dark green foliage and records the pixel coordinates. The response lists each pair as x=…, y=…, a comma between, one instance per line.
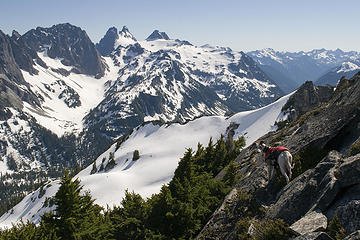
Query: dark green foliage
x=335, y=229
x=241, y=229
x=76, y=216
x=94, y=168
x=307, y=158
x=111, y=164
x=272, y=230
x=179, y=211
x=231, y=177
x=28, y=231
x=11, y=163
x=355, y=148
x=136, y=155
x=282, y=124
x=129, y=221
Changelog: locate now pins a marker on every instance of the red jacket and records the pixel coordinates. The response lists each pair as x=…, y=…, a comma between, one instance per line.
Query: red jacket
x=274, y=152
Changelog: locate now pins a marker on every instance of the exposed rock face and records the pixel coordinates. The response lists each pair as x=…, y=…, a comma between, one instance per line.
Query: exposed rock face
x=106, y=44
x=314, y=236
x=331, y=187
x=13, y=88
x=349, y=215
x=312, y=222
x=8, y=65
x=155, y=35
x=307, y=97
x=314, y=189
x=70, y=43
x=353, y=236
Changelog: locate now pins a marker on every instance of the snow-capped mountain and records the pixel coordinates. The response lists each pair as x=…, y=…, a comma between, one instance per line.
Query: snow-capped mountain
x=297, y=67
x=62, y=103
x=172, y=80
x=346, y=69
x=155, y=35
x=113, y=39
x=108, y=184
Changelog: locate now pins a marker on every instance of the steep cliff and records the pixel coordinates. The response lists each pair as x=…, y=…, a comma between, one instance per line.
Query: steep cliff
x=324, y=141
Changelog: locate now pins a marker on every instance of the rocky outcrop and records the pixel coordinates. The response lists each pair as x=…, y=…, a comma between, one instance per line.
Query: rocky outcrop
x=314, y=221
x=353, y=236
x=13, y=88
x=156, y=34
x=106, y=44
x=307, y=97
x=70, y=43
x=314, y=236
x=326, y=181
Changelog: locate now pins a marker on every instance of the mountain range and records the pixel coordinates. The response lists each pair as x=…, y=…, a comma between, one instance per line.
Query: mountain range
x=291, y=69
x=64, y=99
x=66, y=102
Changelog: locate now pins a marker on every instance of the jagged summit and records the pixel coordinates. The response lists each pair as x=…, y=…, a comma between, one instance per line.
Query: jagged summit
x=15, y=35
x=125, y=33
x=68, y=42
x=113, y=39
x=155, y=35
x=106, y=44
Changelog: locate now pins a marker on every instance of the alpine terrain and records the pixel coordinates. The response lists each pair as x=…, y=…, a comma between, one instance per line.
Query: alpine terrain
x=291, y=69
x=214, y=192
x=65, y=100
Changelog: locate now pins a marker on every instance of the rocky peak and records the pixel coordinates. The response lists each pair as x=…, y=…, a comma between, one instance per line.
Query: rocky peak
x=324, y=144
x=307, y=97
x=70, y=43
x=106, y=44
x=155, y=35
x=125, y=33
x=15, y=35
x=12, y=83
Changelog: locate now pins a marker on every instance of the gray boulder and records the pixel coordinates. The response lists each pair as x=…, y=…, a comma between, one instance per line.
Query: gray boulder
x=349, y=216
x=314, y=236
x=353, y=236
x=312, y=222
x=314, y=189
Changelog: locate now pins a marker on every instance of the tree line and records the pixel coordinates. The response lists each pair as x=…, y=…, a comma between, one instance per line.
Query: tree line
x=178, y=211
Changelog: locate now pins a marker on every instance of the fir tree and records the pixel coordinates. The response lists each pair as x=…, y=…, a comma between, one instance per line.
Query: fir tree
x=136, y=155
x=76, y=216
x=94, y=168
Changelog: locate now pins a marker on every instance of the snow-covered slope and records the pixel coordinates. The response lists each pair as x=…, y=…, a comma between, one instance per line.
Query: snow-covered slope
x=160, y=148
x=65, y=100
x=173, y=80
x=346, y=69
x=302, y=66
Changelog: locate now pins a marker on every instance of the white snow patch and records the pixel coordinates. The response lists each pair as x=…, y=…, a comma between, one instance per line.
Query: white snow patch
x=161, y=148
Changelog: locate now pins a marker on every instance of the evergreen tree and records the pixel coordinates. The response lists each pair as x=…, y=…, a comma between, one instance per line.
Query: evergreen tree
x=129, y=220
x=136, y=155
x=76, y=216
x=94, y=168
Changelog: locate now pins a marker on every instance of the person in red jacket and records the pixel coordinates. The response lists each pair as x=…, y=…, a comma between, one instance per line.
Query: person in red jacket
x=277, y=155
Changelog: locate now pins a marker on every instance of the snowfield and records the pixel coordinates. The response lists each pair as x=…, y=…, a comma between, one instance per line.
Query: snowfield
x=160, y=147
x=55, y=114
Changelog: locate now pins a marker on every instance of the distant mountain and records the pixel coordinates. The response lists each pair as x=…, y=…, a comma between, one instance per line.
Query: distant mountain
x=172, y=80
x=113, y=39
x=346, y=69
x=107, y=183
x=155, y=35
x=62, y=103
x=298, y=67
x=49, y=79
x=68, y=42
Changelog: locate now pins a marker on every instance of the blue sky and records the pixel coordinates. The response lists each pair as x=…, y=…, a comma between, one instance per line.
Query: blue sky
x=241, y=25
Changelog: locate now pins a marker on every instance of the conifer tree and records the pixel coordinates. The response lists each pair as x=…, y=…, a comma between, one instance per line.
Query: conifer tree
x=76, y=216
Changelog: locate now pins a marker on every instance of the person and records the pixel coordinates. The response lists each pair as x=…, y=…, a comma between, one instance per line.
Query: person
x=280, y=156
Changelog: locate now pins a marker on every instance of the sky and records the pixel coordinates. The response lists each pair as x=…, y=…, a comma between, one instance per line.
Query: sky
x=243, y=25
